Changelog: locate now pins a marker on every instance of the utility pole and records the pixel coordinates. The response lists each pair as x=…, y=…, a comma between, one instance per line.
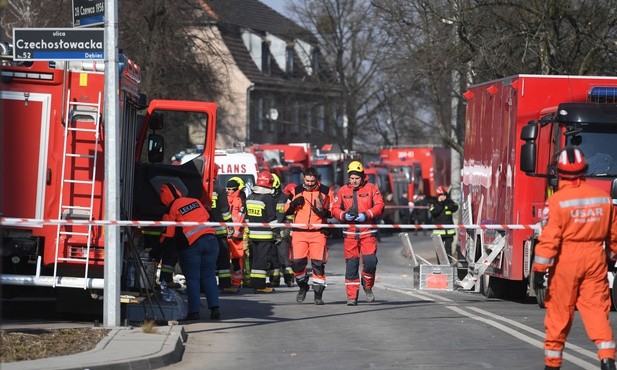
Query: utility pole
x=113, y=251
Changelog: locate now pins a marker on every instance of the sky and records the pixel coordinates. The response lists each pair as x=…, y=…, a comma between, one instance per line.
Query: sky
x=278, y=5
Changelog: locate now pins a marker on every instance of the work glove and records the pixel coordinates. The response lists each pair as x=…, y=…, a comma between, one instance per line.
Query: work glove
x=298, y=202
x=322, y=213
x=361, y=217
x=540, y=280
x=349, y=217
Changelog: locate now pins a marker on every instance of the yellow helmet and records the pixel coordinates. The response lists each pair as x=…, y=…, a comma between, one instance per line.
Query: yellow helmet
x=276, y=183
x=355, y=166
x=231, y=183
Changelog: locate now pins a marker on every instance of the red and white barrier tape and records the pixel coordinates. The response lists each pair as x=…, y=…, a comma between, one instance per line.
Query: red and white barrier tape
x=22, y=222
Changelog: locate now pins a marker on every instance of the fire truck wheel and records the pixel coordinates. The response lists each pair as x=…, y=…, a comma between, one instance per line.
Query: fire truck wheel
x=492, y=287
x=540, y=295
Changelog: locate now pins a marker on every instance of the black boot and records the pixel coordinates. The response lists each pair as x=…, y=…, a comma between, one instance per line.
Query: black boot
x=318, y=292
x=546, y=367
x=289, y=280
x=302, y=292
x=607, y=364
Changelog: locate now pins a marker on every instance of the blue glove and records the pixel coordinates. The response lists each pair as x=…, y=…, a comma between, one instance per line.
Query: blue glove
x=349, y=217
x=361, y=217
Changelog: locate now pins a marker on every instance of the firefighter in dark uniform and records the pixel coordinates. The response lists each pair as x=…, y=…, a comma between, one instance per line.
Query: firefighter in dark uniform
x=261, y=208
x=442, y=212
x=284, y=238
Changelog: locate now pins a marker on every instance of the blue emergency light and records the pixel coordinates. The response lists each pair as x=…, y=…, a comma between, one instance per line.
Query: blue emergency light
x=604, y=94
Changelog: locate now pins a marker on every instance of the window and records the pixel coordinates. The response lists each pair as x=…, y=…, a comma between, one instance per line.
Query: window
x=309, y=119
x=265, y=57
x=315, y=60
x=295, y=122
x=289, y=67
x=271, y=119
x=260, y=114
x=320, y=118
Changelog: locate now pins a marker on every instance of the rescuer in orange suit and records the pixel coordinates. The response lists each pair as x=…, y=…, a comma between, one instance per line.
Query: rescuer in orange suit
x=310, y=205
x=235, y=198
x=198, y=259
x=579, y=221
x=357, y=203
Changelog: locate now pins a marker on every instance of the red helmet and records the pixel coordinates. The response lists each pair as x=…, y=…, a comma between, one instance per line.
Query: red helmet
x=441, y=191
x=571, y=163
x=265, y=179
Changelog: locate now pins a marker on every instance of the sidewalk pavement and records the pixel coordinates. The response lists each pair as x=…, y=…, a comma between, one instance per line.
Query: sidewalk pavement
x=123, y=348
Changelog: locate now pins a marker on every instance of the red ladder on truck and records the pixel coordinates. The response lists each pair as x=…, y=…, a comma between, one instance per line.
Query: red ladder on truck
x=83, y=121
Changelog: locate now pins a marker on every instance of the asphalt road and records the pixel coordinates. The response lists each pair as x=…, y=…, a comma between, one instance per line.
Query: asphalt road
x=404, y=328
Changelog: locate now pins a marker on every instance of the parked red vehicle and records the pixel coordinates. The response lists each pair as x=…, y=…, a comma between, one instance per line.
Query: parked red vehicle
x=429, y=163
x=54, y=123
x=504, y=185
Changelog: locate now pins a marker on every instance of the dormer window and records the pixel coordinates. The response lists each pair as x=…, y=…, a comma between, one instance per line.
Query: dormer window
x=289, y=60
x=315, y=59
x=265, y=57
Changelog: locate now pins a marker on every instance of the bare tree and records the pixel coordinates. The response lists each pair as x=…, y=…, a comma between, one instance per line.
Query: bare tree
x=351, y=46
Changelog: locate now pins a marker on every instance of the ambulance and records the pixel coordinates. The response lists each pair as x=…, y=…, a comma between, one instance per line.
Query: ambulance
x=236, y=163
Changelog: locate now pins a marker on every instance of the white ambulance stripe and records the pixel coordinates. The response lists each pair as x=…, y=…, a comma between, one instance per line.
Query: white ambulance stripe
x=584, y=202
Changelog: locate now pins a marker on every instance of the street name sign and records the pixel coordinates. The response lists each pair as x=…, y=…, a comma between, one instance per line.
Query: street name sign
x=58, y=44
x=87, y=13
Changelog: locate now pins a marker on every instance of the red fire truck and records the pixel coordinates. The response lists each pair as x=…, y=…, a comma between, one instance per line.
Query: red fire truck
x=502, y=185
x=286, y=160
x=428, y=162
x=52, y=144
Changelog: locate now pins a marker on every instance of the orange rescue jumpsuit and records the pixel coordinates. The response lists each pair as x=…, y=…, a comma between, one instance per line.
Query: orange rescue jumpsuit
x=235, y=240
x=310, y=241
x=581, y=218
x=359, y=241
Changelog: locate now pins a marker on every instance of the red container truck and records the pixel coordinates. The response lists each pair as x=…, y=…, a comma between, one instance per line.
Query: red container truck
x=514, y=127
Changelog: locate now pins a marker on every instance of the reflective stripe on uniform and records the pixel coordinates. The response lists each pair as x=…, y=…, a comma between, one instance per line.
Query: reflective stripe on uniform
x=260, y=274
x=605, y=345
x=543, y=260
x=552, y=353
x=261, y=234
x=584, y=202
x=195, y=230
x=319, y=281
x=444, y=232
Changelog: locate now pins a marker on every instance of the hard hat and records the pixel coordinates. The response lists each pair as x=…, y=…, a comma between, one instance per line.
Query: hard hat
x=169, y=192
x=276, y=182
x=264, y=178
x=571, y=163
x=441, y=191
x=355, y=166
x=235, y=183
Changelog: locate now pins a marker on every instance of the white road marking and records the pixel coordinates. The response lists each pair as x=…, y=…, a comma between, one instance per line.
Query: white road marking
x=462, y=310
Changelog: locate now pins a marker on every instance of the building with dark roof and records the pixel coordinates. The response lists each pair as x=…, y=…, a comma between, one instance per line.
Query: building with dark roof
x=278, y=89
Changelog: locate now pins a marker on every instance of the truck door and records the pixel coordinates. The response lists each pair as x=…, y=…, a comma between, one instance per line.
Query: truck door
x=170, y=127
